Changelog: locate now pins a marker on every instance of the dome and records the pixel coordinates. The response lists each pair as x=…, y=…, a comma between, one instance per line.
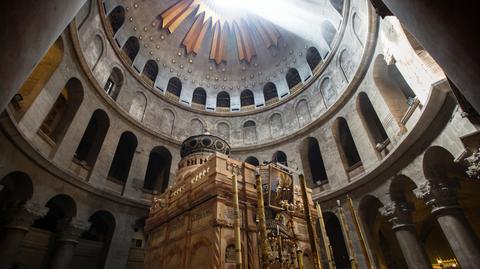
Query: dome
x=205, y=143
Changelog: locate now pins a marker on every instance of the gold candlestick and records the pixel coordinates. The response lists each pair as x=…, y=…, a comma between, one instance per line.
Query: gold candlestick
x=310, y=227
x=360, y=234
x=346, y=233
x=236, y=224
x=326, y=240
x=261, y=223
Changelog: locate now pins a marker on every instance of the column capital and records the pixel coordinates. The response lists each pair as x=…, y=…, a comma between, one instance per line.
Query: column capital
x=71, y=230
x=398, y=214
x=440, y=195
x=27, y=214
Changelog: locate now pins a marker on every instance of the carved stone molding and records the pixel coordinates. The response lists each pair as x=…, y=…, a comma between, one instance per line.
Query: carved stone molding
x=25, y=217
x=398, y=214
x=473, y=162
x=439, y=195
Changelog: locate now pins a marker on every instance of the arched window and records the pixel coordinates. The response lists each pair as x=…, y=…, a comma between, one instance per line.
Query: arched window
x=92, y=139
x=392, y=86
x=101, y=230
x=174, y=87
x=122, y=160
x=60, y=208
x=293, y=78
x=246, y=98
x=313, y=58
x=315, y=163
x=252, y=160
x=58, y=120
x=158, y=170
x=199, y=96
x=223, y=100
x=280, y=157
x=328, y=32
x=376, y=132
x=116, y=18
x=249, y=132
x=17, y=189
x=338, y=5
x=131, y=48
x=270, y=92
x=150, y=70
x=114, y=83
x=40, y=75
x=346, y=145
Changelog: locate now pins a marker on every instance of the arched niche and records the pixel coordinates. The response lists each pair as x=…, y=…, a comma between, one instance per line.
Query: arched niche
x=303, y=113
x=92, y=140
x=395, y=91
x=249, y=132
x=223, y=130
x=276, y=125
x=116, y=18
x=247, y=99
x=376, y=133
x=138, y=106
x=37, y=80
x=328, y=91
x=313, y=162
x=114, y=83
x=95, y=51
x=174, y=88
x=167, y=121
x=122, y=160
x=157, y=176
x=61, y=115
x=196, y=126
x=223, y=101
x=150, y=71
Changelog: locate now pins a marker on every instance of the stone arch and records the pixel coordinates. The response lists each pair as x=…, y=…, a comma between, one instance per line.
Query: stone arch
x=168, y=121
x=150, y=71
x=138, y=106
x=346, y=145
x=37, y=80
x=313, y=58
x=196, y=126
x=280, y=157
x=337, y=240
x=116, y=18
x=252, y=160
x=101, y=230
x=131, y=48
x=276, y=125
x=375, y=130
x=303, y=112
x=328, y=91
x=438, y=164
x=328, y=32
x=16, y=189
x=157, y=176
x=395, y=91
x=61, y=115
x=114, y=83
x=122, y=159
x=249, y=132
x=62, y=208
x=92, y=139
x=223, y=130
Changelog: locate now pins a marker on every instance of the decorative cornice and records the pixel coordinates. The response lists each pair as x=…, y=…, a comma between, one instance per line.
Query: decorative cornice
x=439, y=195
x=398, y=214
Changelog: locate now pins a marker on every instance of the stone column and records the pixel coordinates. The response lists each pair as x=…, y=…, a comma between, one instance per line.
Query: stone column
x=399, y=215
x=442, y=197
x=455, y=47
x=66, y=243
x=29, y=28
x=14, y=232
